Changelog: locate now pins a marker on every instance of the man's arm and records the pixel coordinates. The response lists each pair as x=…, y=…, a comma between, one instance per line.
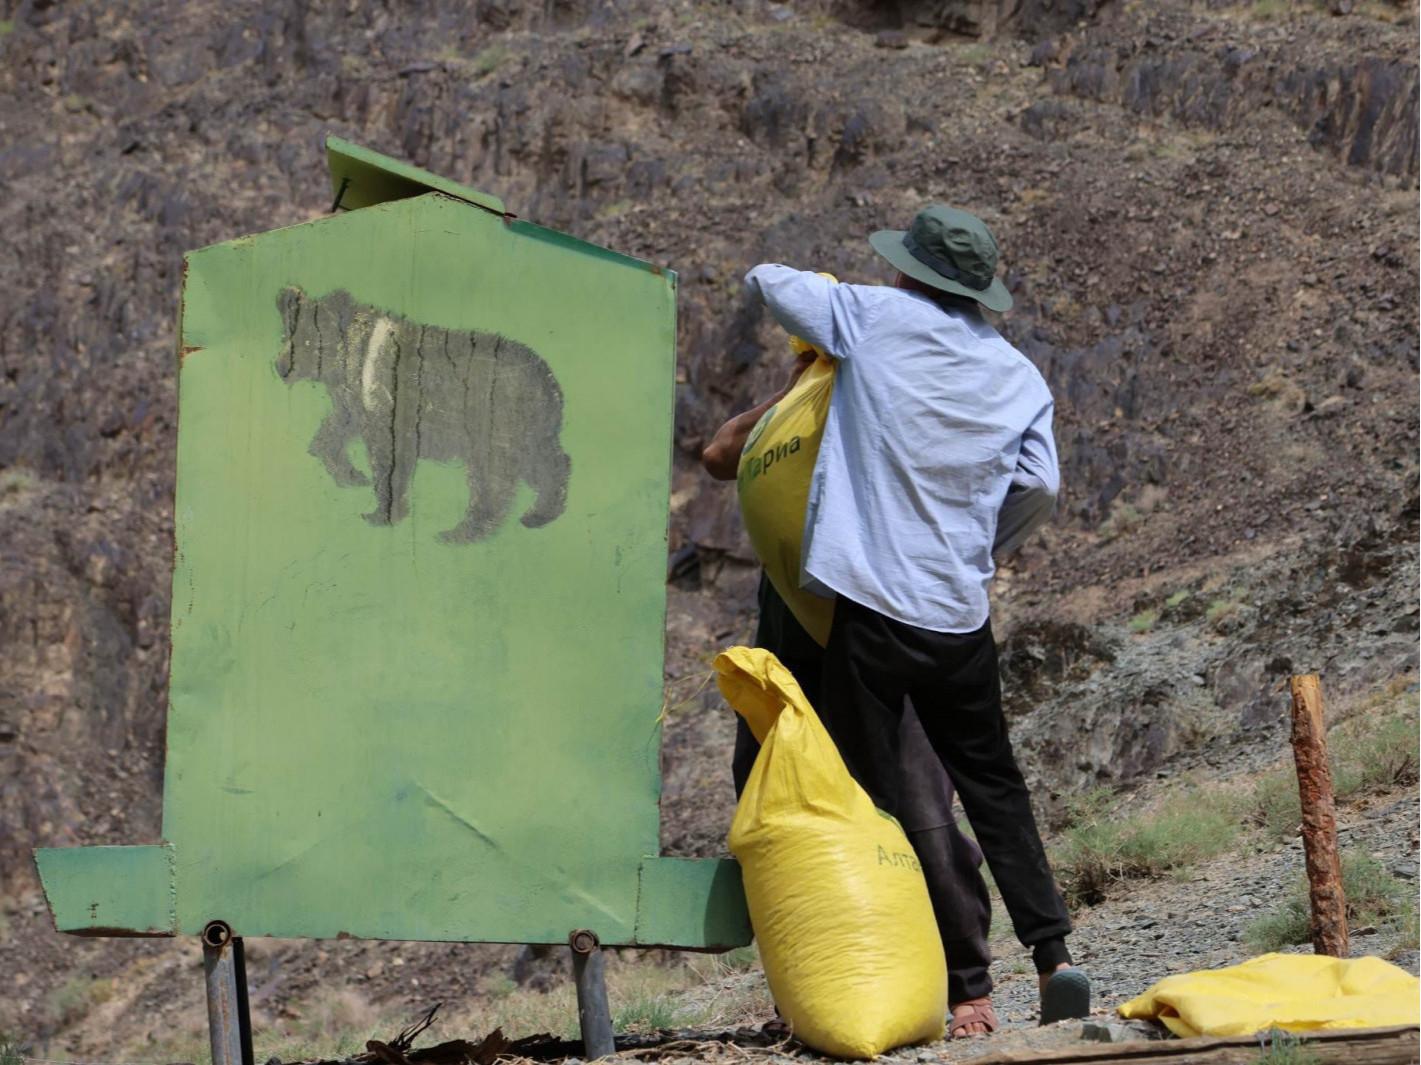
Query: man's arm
x=1031, y=498
x=810, y=306
x=721, y=457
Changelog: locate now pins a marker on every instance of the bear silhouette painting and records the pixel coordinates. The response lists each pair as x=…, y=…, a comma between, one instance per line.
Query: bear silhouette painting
x=412, y=392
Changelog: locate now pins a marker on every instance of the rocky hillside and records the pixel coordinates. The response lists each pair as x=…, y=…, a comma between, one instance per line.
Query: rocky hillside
x=1208, y=213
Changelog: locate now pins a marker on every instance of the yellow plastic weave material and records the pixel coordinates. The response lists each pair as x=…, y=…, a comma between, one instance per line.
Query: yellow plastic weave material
x=776, y=465
x=1295, y=992
x=836, y=896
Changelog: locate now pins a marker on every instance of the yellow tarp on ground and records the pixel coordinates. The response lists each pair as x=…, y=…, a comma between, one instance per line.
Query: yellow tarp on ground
x=836, y=895
x=1295, y=992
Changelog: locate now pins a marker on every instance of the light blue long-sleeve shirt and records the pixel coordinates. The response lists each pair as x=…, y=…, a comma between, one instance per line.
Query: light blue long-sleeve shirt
x=937, y=450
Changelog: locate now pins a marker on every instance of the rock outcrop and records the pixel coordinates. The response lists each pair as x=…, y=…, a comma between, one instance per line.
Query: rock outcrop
x=1207, y=220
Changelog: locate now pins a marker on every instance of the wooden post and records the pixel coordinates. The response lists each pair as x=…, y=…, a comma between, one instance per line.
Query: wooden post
x=1329, y=903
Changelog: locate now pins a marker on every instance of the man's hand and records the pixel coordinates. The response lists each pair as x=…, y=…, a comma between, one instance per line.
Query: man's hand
x=721, y=457
x=803, y=361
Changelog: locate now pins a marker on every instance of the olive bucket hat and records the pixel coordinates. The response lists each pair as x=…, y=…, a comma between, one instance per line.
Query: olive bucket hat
x=948, y=249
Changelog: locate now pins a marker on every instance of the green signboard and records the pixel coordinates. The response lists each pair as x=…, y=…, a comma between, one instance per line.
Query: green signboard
x=418, y=597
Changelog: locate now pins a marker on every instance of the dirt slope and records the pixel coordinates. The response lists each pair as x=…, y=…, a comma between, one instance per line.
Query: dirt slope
x=1208, y=213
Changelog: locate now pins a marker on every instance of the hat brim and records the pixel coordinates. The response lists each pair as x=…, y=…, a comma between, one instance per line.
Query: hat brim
x=889, y=244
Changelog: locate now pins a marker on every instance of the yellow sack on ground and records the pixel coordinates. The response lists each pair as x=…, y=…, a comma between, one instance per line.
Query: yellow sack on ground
x=1295, y=992
x=772, y=480
x=836, y=896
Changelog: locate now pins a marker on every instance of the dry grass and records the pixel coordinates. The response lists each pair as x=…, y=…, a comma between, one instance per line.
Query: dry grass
x=1373, y=743
x=1278, y=388
x=732, y=992
x=1374, y=897
x=1288, y=10
x=647, y=994
x=332, y=1024
x=16, y=484
x=76, y=997
x=1104, y=846
x=1124, y=519
x=1373, y=747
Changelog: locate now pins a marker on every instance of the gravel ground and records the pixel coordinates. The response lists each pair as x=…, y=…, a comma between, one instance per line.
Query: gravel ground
x=1148, y=930
x=1158, y=928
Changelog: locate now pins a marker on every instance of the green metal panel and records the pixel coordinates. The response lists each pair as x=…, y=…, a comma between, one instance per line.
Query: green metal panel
x=688, y=901
x=362, y=178
x=109, y=891
x=418, y=597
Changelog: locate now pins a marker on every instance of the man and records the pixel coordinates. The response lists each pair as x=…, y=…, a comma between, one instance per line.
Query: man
x=951, y=861
x=938, y=445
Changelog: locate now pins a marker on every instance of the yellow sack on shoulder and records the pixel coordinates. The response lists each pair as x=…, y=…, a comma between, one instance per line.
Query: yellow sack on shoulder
x=1295, y=992
x=772, y=481
x=836, y=896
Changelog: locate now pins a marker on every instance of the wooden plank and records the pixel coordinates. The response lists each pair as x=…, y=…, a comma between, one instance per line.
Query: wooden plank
x=1324, y=866
x=1353, y=1046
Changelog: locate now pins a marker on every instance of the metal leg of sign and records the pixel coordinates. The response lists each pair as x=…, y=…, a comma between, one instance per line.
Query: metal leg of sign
x=228, y=1017
x=593, y=1011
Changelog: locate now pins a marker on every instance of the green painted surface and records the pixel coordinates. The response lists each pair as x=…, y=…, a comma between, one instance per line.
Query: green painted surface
x=362, y=178
x=391, y=736
x=559, y=239
x=418, y=597
x=109, y=890
x=688, y=901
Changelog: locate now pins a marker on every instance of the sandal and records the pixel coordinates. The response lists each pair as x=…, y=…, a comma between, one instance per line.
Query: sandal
x=1066, y=996
x=972, y=1011
x=777, y=1029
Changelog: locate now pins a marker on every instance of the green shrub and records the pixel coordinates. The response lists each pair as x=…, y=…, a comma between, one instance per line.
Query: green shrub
x=1382, y=756
x=648, y=1013
x=1286, y=1049
x=75, y=997
x=15, y=484
x=1124, y=518
x=12, y=1051
x=1088, y=806
x=1373, y=898
x=489, y=60
x=1409, y=934
x=1191, y=831
x=1285, y=926
x=1144, y=621
x=1103, y=847
x=1275, y=804
x=1221, y=614
x=499, y=985
x=1364, y=755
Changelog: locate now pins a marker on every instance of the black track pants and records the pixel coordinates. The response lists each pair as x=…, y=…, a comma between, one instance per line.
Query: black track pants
x=873, y=667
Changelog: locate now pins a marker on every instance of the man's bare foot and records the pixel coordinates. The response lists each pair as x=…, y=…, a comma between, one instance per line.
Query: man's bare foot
x=1047, y=976
x=974, y=1016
